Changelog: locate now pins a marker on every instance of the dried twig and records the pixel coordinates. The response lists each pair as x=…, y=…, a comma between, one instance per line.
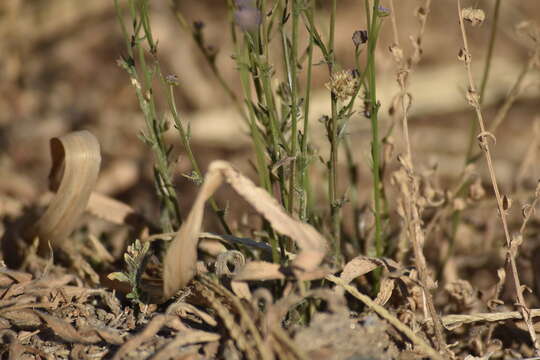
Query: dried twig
x=473, y=99
x=411, y=195
x=516, y=90
x=452, y=322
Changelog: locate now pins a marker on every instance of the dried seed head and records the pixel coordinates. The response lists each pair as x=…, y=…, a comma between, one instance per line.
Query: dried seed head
x=474, y=16
x=402, y=77
x=397, y=53
x=506, y=203
x=464, y=56
x=342, y=84
x=359, y=37
x=473, y=98
x=421, y=12
x=527, y=210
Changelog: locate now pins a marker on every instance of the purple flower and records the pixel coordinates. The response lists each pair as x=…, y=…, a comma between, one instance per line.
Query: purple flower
x=247, y=16
x=382, y=11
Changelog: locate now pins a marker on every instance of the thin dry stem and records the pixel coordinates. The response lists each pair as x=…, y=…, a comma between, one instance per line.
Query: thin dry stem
x=516, y=90
x=484, y=145
x=452, y=322
x=412, y=213
x=530, y=155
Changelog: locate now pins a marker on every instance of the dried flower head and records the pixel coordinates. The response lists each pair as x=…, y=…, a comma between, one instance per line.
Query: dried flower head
x=359, y=37
x=172, y=80
x=474, y=16
x=342, y=84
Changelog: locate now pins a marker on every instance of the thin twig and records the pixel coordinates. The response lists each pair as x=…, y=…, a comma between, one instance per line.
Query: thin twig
x=516, y=90
x=413, y=219
x=452, y=322
x=473, y=99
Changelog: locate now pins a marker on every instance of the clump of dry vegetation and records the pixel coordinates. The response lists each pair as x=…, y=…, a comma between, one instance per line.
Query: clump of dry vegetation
x=330, y=234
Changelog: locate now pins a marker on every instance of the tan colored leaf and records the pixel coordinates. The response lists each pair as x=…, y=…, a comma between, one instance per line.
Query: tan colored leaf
x=75, y=165
x=179, y=265
x=259, y=270
x=386, y=289
x=68, y=333
x=358, y=266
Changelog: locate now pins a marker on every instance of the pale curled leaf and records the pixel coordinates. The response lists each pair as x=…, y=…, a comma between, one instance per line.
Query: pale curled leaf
x=362, y=265
x=179, y=265
x=260, y=270
x=76, y=159
x=358, y=266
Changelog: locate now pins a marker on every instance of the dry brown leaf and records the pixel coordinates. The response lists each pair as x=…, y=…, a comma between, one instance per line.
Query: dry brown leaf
x=116, y=212
x=260, y=270
x=8, y=277
x=386, y=289
x=171, y=350
x=149, y=331
x=75, y=165
x=179, y=265
x=362, y=265
x=359, y=266
x=68, y=333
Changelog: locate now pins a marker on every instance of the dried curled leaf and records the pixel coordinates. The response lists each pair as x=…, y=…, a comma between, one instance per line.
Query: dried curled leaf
x=76, y=159
x=181, y=258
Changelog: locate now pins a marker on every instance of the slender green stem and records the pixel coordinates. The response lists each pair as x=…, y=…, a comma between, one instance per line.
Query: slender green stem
x=184, y=135
x=155, y=125
x=304, y=144
x=293, y=84
x=335, y=207
x=210, y=58
x=471, y=156
x=373, y=32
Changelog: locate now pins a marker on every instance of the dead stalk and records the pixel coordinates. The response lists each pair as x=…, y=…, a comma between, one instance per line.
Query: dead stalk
x=412, y=213
x=516, y=90
x=472, y=97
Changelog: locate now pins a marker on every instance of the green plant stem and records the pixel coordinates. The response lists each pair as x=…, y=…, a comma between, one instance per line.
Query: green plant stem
x=210, y=60
x=471, y=156
x=373, y=30
x=335, y=208
x=170, y=217
x=293, y=84
x=304, y=144
x=184, y=136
